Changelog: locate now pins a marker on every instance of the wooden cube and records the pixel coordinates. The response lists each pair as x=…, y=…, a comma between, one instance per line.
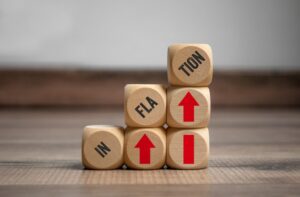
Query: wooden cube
x=187, y=148
x=188, y=107
x=145, y=105
x=102, y=147
x=190, y=65
x=145, y=148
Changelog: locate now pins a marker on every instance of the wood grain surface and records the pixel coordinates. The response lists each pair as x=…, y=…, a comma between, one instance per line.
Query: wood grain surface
x=253, y=152
x=106, y=88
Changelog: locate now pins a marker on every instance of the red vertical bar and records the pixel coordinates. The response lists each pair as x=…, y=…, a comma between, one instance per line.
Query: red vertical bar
x=188, y=149
x=144, y=156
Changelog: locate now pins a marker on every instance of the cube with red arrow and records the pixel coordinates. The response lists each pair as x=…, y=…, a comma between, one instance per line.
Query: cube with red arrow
x=145, y=148
x=188, y=107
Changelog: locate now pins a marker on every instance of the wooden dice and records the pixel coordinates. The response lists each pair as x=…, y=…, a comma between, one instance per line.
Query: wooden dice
x=188, y=107
x=145, y=105
x=184, y=106
x=190, y=71
x=187, y=148
x=145, y=148
x=102, y=147
x=190, y=65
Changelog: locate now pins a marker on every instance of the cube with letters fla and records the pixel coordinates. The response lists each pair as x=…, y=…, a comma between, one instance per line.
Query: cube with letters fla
x=190, y=65
x=145, y=105
x=102, y=147
x=188, y=107
x=187, y=148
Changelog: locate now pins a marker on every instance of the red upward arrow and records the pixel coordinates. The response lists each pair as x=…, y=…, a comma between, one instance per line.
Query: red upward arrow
x=144, y=144
x=188, y=102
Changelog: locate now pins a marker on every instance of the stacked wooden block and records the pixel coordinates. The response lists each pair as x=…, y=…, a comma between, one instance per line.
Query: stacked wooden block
x=164, y=125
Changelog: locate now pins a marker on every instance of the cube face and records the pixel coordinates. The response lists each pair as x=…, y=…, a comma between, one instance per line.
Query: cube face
x=187, y=148
x=188, y=107
x=190, y=65
x=145, y=105
x=102, y=147
x=145, y=148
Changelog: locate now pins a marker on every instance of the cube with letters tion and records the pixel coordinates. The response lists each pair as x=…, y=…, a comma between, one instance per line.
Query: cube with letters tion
x=190, y=65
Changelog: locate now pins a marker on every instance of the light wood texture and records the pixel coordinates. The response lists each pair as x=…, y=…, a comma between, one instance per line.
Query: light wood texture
x=145, y=105
x=187, y=148
x=257, y=154
x=152, y=140
x=102, y=147
x=191, y=190
x=180, y=113
x=190, y=64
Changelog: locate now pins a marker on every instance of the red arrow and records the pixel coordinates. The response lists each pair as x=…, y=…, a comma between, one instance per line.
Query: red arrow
x=188, y=149
x=188, y=102
x=144, y=144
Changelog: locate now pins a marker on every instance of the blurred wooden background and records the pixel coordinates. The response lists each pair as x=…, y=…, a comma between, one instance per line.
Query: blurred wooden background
x=105, y=88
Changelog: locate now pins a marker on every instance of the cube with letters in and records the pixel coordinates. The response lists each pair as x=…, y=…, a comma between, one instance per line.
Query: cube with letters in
x=102, y=147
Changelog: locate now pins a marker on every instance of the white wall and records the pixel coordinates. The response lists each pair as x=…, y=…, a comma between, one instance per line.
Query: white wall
x=244, y=34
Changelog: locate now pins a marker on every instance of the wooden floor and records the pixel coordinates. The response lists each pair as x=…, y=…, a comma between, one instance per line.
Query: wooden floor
x=253, y=152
